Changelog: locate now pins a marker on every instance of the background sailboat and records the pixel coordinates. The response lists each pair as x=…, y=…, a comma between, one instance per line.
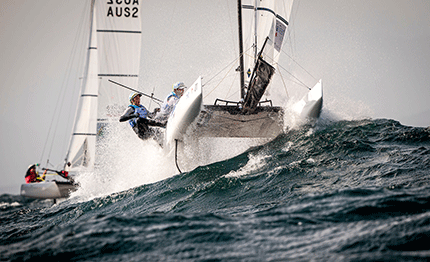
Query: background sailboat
x=113, y=52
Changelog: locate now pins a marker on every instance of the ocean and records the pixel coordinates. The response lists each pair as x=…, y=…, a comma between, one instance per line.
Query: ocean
x=340, y=191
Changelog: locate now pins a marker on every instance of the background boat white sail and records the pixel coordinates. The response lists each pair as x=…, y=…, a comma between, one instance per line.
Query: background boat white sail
x=113, y=52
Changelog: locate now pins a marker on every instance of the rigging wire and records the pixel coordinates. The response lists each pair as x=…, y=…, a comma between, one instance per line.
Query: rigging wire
x=68, y=76
x=283, y=82
x=291, y=38
x=150, y=101
x=232, y=65
x=298, y=80
x=299, y=65
x=221, y=71
x=76, y=82
x=62, y=96
x=232, y=83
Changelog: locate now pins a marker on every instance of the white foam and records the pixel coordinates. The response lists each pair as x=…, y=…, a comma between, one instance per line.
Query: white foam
x=254, y=163
x=5, y=205
x=207, y=150
x=123, y=161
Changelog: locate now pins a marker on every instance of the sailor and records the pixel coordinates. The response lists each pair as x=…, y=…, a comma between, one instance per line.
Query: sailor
x=170, y=101
x=31, y=176
x=140, y=118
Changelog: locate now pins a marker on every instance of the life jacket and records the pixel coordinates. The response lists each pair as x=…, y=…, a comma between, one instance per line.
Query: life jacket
x=141, y=110
x=30, y=177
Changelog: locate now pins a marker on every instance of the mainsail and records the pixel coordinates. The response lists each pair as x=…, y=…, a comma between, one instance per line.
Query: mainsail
x=113, y=53
x=265, y=24
x=119, y=42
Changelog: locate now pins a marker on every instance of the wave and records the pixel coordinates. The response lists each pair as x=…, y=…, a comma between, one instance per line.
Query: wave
x=346, y=190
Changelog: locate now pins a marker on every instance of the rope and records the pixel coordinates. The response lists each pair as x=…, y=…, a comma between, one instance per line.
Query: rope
x=176, y=155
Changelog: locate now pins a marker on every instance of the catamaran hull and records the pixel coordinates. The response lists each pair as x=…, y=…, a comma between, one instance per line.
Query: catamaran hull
x=309, y=107
x=48, y=190
x=185, y=112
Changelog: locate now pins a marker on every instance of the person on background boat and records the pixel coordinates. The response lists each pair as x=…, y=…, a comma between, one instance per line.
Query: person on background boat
x=140, y=118
x=170, y=101
x=31, y=176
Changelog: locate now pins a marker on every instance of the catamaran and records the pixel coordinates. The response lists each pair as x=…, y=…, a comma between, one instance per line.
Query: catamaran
x=113, y=53
x=262, y=29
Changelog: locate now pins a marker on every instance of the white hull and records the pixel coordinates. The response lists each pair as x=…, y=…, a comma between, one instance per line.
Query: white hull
x=222, y=131
x=47, y=190
x=185, y=112
x=309, y=107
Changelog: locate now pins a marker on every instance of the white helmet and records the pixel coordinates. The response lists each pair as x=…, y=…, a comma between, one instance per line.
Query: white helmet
x=133, y=95
x=179, y=85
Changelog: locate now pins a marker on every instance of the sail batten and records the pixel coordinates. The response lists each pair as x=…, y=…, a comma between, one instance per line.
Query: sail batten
x=118, y=75
x=118, y=31
x=120, y=41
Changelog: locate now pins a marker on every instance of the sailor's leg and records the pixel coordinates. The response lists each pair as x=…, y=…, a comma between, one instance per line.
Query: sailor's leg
x=142, y=129
x=150, y=122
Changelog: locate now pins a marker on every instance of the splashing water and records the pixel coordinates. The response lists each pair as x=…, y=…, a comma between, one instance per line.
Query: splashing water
x=124, y=161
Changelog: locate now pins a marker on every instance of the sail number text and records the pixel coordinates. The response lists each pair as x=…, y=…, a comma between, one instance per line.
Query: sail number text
x=119, y=11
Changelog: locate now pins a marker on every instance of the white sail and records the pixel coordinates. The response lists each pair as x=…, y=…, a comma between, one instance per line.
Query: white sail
x=119, y=41
x=83, y=142
x=113, y=53
x=262, y=19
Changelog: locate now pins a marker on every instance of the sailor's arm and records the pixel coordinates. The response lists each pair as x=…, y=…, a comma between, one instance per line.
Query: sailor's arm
x=128, y=114
x=153, y=114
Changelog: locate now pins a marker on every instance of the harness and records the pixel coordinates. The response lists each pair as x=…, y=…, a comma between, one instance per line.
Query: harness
x=141, y=110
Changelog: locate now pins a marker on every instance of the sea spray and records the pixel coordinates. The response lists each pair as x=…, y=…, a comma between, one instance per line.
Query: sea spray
x=207, y=150
x=124, y=161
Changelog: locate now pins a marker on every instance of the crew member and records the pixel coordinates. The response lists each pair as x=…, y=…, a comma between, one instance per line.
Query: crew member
x=31, y=176
x=140, y=118
x=170, y=101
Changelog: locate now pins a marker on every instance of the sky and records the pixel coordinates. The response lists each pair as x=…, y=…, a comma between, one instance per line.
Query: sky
x=372, y=55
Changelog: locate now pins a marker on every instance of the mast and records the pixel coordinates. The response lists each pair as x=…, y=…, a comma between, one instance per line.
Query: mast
x=242, y=76
x=255, y=31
